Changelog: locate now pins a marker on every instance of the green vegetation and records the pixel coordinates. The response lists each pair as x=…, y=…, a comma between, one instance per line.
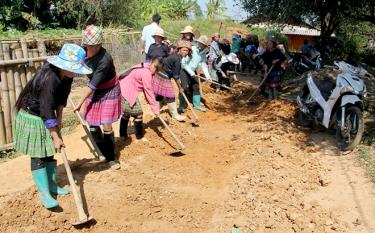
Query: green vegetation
x=367, y=160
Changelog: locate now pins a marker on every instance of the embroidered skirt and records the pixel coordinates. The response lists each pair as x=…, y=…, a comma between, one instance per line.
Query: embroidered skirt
x=163, y=87
x=31, y=137
x=134, y=110
x=103, y=106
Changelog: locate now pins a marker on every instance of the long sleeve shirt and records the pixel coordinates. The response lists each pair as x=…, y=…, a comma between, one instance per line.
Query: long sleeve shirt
x=47, y=92
x=214, y=51
x=172, y=66
x=156, y=51
x=103, y=69
x=198, y=59
x=139, y=79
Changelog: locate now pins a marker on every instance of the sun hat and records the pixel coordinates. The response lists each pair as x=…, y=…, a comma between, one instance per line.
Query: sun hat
x=187, y=29
x=184, y=44
x=93, y=35
x=71, y=58
x=159, y=32
x=203, y=40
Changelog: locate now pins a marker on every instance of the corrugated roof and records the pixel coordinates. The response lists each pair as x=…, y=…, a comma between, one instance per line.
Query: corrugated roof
x=297, y=30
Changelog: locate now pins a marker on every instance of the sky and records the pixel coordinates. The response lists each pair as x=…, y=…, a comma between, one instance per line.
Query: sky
x=233, y=11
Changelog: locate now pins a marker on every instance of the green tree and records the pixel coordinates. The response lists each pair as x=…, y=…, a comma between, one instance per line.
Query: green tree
x=328, y=14
x=215, y=9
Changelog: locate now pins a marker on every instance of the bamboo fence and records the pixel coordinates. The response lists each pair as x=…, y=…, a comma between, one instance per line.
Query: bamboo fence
x=20, y=60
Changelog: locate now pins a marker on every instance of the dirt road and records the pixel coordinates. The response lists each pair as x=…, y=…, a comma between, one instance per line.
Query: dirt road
x=246, y=165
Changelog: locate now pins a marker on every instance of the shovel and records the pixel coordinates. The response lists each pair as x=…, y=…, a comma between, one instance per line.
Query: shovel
x=195, y=123
x=99, y=156
x=83, y=218
x=182, y=146
x=261, y=83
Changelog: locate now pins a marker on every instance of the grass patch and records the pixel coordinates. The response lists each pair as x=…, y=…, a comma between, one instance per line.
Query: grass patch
x=367, y=160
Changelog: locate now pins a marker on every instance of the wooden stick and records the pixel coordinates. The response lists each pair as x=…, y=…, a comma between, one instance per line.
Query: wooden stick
x=77, y=198
x=216, y=83
x=261, y=83
x=11, y=86
x=3, y=139
x=182, y=146
x=188, y=103
x=6, y=105
x=88, y=133
x=25, y=53
x=35, y=53
x=21, y=68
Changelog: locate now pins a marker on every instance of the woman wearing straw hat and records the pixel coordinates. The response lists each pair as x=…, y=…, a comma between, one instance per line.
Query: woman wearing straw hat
x=38, y=117
x=158, y=49
x=162, y=84
x=102, y=97
x=189, y=80
x=187, y=34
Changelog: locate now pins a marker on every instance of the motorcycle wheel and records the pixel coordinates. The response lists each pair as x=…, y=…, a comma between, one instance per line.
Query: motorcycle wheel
x=349, y=137
x=304, y=120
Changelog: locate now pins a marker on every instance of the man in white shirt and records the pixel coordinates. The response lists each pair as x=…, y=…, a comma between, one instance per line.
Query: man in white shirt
x=147, y=32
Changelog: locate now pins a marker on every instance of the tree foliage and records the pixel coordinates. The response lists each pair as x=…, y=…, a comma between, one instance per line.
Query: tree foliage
x=39, y=14
x=215, y=9
x=328, y=14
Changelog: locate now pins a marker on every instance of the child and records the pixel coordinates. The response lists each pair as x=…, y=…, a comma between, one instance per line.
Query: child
x=137, y=79
x=38, y=117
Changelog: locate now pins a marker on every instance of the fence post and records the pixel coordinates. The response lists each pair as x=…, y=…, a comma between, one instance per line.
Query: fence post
x=11, y=84
x=6, y=101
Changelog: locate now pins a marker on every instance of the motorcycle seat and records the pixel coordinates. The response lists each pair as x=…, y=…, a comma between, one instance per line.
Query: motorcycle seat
x=325, y=85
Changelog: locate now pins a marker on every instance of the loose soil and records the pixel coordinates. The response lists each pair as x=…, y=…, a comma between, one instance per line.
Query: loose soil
x=247, y=165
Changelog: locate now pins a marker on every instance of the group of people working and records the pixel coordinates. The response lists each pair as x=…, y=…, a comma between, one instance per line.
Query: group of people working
x=109, y=97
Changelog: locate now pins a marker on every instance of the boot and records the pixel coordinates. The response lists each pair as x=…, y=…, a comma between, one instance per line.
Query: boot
x=97, y=135
x=41, y=181
x=51, y=174
x=138, y=126
x=181, y=107
x=197, y=103
x=124, y=127
x=173, y=111
x=109, y=142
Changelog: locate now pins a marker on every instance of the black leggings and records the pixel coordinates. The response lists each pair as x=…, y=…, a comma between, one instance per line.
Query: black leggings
x=38, y=163
x=189, y=84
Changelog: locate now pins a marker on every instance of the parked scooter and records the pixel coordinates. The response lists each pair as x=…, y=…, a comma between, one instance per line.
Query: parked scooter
x=336, y=103
x=302, y=63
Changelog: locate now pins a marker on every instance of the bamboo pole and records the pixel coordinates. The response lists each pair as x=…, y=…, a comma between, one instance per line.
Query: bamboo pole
x=11, y=84
x=35, y=54
x=31, y=64
x=6, y=102
x=21, y=68
x=3, y=139
x=17, y=75
x=42, y=50
x=25, y=53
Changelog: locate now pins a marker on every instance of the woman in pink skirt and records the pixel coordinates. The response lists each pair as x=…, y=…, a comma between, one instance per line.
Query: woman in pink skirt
x=162, y=83
x=102, y=97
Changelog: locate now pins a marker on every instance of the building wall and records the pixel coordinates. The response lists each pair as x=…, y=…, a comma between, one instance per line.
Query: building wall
x=295, y=42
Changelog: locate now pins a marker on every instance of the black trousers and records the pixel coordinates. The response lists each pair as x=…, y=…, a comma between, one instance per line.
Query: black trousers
x=38, y=163
x=189, y=84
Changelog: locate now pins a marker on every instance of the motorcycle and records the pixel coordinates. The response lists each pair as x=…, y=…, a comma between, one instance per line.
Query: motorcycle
x=302, y=63
x=336, y=103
